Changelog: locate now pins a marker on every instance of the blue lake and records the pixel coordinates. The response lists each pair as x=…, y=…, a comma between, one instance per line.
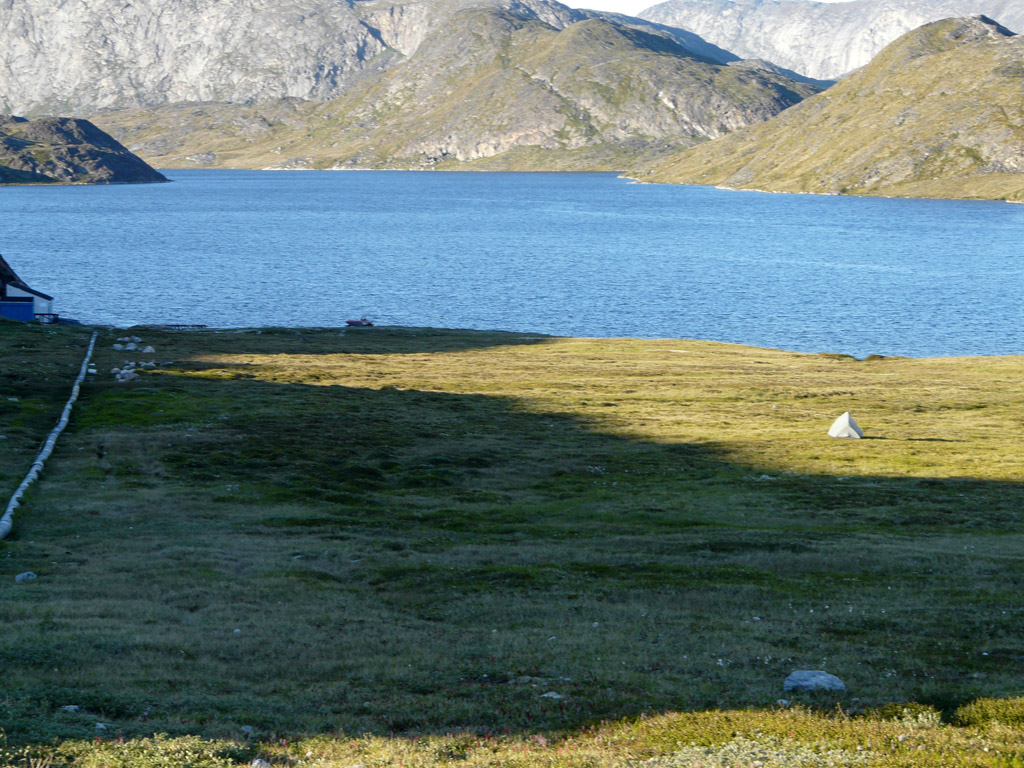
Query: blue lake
x=567, y=254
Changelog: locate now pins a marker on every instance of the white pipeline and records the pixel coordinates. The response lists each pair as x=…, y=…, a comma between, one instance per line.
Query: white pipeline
x=7, y=521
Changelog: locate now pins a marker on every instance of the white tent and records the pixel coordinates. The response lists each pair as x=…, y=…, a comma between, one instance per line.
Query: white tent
x=845, y=426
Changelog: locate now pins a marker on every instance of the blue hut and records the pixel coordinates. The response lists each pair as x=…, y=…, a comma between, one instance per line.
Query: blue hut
x=19, y=302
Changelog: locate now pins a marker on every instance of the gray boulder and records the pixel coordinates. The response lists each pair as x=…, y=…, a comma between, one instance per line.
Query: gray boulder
x=813, y=680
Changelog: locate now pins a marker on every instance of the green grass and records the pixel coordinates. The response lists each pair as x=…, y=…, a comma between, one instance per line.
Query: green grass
x=420, y=532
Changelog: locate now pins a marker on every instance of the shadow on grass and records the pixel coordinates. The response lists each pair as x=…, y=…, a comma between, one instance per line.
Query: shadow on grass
x=414, y=561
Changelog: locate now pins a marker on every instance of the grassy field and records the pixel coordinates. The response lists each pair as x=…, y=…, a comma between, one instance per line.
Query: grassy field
x=385, y=546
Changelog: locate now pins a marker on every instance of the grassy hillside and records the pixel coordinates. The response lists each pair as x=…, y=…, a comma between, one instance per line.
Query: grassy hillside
x=938, y=113
x=486, y=88
x=416, y=534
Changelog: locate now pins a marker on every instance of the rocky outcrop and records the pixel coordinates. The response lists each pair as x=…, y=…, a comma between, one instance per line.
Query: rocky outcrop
x=938, y=113
x=820, y=40
x=492, y=86
x=59, y=149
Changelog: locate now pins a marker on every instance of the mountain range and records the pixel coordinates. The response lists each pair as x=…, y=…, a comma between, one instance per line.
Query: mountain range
x=938, y=113
x=380, y=83
x=532, y=85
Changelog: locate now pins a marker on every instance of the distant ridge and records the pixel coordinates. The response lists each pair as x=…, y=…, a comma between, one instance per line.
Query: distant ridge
x=820, y=40
x=938, y=113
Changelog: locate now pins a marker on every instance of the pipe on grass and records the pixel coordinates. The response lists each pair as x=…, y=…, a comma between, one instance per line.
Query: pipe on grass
x=7, y=521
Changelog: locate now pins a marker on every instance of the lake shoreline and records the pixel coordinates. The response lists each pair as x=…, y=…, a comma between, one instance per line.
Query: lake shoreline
x=566, y=254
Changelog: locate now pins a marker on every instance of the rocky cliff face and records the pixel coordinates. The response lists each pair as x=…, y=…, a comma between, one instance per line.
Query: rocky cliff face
x=67, y=57
x=552, y=86
x=938, y=113
x=820, y=40
x=57, y=149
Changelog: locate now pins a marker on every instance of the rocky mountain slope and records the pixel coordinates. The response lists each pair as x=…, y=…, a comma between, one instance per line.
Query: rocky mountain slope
x=58, y=57
x=500, y=84
x=938, y=113
x=820, y=40
x=56, y=149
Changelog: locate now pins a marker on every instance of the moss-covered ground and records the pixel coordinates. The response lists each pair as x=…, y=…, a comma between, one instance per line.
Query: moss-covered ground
x=384, y=546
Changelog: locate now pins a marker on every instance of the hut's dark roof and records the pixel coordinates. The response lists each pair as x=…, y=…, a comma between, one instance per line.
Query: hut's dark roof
x=9, y=277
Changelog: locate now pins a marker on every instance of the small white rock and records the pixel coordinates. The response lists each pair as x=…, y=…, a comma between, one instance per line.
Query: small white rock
x=237, y=632
x=247, y=730
x=260, y=763
x=149, y=350
x=118, y=347
x=845, y=426
x=21, y=578
x=69, y=708
x=131, y=346
x=551, y=695
x=101, y=726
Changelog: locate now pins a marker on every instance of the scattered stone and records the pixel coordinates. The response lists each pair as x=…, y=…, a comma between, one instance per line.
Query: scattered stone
x=247, y=730
x=115, y=371
x=69, y=708
x=148, y=350
x=551, y=695
x=136, y=339
x=782, y=702
x=813, y=680
x=21, y=578
x=101, y=726
x=12, y=399
x=237, y=632
x=131, y=346
x=118, y=347
x=260, y=763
